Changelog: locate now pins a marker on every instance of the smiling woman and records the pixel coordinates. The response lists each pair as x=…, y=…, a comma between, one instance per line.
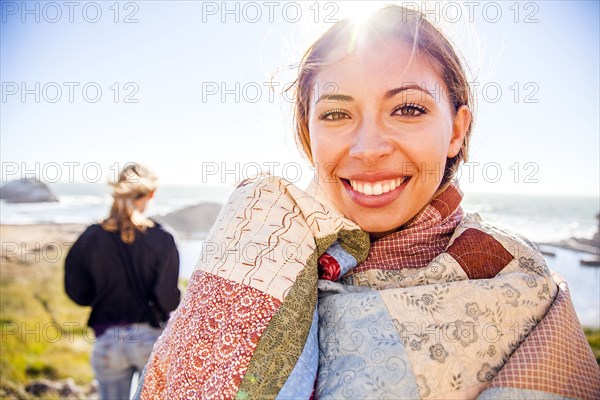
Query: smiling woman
x=382, y=149
x=372, y=283
x=399, y=139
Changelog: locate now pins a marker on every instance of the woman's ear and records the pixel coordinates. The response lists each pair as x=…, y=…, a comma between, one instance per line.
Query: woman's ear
x=462, y=121
x=150, y=195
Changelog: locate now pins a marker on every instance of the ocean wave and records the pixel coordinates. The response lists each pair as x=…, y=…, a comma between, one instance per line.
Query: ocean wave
x=80, y=200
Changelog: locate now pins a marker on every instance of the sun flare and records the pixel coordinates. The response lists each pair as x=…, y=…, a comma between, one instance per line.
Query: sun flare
x=360, y=11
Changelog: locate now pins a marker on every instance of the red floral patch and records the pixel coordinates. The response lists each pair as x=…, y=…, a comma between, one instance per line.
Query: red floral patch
x=329, y=268
x=207, y=347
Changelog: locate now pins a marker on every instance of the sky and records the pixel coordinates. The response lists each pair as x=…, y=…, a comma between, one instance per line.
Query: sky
x=184, y=87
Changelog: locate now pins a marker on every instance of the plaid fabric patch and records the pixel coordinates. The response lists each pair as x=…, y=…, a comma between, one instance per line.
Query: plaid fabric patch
x=422, y=240
x=555, y=357
x=479, y=254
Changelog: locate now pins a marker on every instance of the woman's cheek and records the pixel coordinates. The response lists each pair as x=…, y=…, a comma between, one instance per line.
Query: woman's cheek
x=322, y=152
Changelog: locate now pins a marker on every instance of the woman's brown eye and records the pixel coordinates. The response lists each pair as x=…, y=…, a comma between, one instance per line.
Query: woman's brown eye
x=334, y=115
x=410, y=110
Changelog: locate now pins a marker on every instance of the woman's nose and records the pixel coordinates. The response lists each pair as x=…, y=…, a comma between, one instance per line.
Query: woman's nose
x=370, y=143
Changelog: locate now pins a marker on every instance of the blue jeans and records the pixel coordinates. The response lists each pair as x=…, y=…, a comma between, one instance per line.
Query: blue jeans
x=120, y=352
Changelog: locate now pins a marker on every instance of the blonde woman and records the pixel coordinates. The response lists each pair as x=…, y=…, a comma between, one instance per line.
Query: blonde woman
x=126, y=268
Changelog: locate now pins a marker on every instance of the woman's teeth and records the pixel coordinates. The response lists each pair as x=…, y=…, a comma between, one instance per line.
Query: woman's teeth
x=377, y=188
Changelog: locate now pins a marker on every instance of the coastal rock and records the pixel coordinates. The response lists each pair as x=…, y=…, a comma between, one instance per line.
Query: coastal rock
x=580, y=244
x=193, y=221
x=591, y=246
x=30, y=190
x=43, y=388
x=66, y=389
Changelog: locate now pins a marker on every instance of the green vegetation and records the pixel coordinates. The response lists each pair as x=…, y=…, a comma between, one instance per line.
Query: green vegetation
x=42, y=333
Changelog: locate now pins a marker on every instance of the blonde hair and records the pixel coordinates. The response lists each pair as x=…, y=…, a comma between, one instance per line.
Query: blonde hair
x=393, y=22
x=135, y=181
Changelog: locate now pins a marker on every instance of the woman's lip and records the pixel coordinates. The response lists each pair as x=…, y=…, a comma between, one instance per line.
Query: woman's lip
x=375, y=201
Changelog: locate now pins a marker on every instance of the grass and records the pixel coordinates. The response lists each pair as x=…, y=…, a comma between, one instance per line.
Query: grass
x=42, y=333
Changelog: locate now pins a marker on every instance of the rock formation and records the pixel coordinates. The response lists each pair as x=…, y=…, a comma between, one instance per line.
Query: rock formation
x=192, y=222
x=29, y=190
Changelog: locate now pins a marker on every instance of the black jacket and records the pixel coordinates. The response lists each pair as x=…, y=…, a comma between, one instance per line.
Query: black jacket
x=95, y=275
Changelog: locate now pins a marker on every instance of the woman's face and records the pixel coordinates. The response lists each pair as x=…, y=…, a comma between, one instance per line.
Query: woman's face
x=381, y=129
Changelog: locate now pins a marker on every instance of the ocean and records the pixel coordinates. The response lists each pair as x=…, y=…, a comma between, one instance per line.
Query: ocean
x=542, y=219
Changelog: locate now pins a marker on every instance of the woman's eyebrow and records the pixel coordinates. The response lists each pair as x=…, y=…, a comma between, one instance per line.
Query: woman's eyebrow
x=412, y=87
x=334, y=97
x=388, y=95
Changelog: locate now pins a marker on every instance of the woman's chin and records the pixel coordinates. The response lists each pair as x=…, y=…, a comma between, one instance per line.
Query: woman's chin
x=377, y=228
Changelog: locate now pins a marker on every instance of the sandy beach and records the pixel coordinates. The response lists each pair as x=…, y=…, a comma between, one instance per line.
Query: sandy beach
x=40, y=232
x=37, y=242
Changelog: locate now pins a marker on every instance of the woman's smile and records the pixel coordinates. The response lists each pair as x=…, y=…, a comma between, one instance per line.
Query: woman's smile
x=374, y=193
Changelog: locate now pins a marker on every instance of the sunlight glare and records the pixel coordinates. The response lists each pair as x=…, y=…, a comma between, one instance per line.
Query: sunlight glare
x=360, y=11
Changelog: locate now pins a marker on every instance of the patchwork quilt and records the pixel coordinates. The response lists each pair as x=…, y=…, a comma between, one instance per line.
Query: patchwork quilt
x=280, y=307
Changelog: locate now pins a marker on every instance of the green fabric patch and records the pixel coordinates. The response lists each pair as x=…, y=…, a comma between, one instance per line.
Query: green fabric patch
x=283, y=341
x=355, y=242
